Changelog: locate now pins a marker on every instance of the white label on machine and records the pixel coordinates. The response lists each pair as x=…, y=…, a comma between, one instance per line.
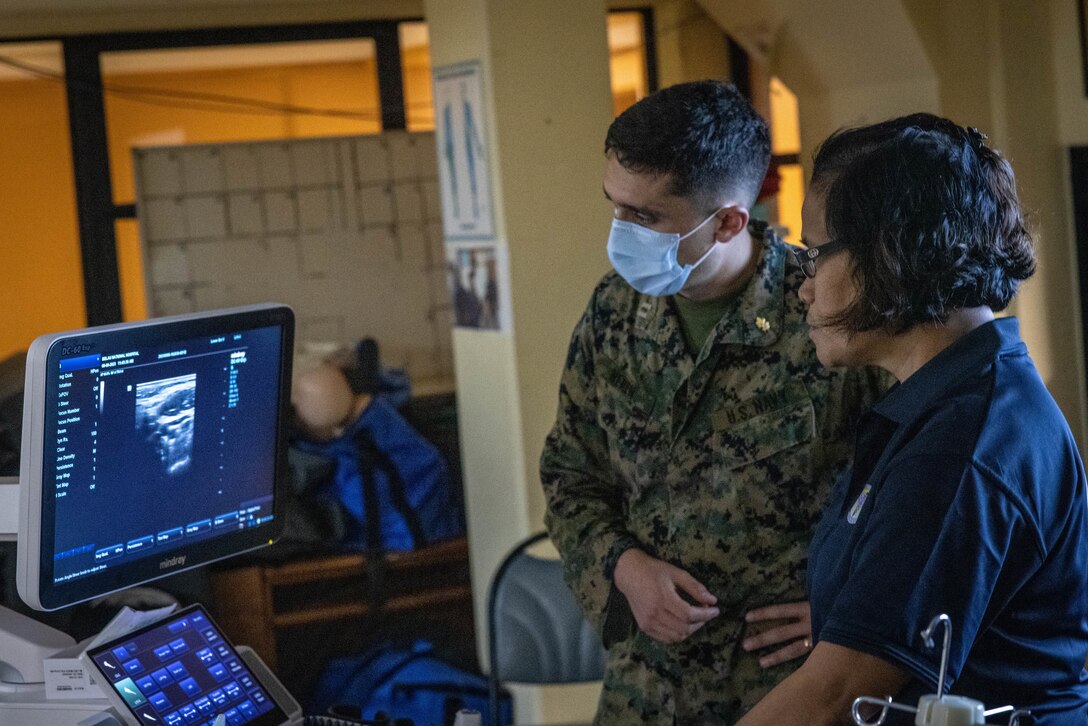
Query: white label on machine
x=66, y=678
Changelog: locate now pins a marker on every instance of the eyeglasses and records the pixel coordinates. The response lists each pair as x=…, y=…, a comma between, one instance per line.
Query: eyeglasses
x=806, y=257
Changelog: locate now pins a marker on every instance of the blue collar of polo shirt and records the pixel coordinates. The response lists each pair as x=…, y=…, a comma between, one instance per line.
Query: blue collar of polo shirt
x=907, y=400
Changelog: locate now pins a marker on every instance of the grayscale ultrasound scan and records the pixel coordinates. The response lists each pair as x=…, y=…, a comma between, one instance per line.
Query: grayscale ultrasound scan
x=165, y=410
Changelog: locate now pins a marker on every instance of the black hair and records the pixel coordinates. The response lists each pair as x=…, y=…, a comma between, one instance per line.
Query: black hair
x=704, y=135
x=930, y=216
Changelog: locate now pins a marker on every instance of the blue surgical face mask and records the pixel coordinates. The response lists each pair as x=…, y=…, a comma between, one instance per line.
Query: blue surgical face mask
x=647, y=258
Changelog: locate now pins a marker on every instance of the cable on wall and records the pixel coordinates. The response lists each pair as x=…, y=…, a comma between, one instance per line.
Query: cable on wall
x=195, y=100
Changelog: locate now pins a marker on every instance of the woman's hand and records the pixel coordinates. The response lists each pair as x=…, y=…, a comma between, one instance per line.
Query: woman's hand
x=795, y=632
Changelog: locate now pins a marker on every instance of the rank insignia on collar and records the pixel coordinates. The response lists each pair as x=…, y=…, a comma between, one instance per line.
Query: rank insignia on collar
x=763, y=324
x=644, y=314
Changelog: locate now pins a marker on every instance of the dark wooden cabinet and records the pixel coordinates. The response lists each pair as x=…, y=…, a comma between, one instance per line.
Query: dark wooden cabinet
x=299, y=613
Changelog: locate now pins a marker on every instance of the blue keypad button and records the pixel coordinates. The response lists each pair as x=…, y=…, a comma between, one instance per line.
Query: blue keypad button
x=206, y=656
x=146, y=684
x=132, y=667
x=234, y=718
x=218, y=697
x=247, y=709
x=177, y=670
x=232, y=690
x=258, y=697
x=210, y=635
x=189, y=713
x=147, y=716
x=121, y=653
x=190, y=686
x=178, y=646
x=162, y=677
x=112, y=666
x=204, y=705
x=223, y=651
x=160, y=702
x=234, y=666
x=163, y=652
x=173, y=719
x=127, y=690
x=247, y=682
x=218, y=672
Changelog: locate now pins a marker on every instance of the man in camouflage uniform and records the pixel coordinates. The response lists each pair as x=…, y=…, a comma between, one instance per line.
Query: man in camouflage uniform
x=697, y=433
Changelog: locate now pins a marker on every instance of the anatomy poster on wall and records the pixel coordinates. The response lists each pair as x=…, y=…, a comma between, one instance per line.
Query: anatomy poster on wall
x=478, y=293
x=464, y=167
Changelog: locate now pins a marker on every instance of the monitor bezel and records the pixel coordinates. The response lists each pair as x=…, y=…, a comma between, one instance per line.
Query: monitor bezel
x=35, y=588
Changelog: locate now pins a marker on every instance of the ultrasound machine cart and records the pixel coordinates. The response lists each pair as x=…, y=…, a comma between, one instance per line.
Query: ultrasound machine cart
x=148, y=448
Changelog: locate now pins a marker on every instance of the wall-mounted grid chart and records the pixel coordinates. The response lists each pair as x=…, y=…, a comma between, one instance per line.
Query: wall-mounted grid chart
x=346, y=230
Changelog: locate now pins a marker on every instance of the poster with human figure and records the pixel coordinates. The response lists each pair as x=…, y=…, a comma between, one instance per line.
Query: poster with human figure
x=464, y=166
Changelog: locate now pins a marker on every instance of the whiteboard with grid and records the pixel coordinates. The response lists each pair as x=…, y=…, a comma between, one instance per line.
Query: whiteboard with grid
x=346, y=230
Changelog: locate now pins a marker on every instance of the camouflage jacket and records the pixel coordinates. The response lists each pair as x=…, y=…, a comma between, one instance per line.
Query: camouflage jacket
x=718, y=464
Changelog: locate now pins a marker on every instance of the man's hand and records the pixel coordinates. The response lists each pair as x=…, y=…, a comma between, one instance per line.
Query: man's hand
x=652, y=588
x=795, y=629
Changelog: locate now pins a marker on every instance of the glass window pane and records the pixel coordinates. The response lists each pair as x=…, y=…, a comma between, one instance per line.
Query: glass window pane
x=39, y=244
x=785, y=122
x=228, y=93
x=415, y=58
x=791, y=193
x=786, y=142
x=627, y=59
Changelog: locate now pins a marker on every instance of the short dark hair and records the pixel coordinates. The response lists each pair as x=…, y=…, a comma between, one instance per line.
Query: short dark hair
x=705, y=135
x=930, y=216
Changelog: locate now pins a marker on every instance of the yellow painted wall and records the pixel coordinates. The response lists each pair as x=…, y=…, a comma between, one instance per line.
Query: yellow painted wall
x=39, y=251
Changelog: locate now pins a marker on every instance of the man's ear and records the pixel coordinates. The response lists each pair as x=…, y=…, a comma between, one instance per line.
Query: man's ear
x=731, y=221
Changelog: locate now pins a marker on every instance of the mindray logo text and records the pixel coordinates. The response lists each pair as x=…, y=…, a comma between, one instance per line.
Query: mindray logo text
x=172, y=562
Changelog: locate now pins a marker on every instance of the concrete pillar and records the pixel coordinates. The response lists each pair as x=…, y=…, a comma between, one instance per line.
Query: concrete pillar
x=546, y=89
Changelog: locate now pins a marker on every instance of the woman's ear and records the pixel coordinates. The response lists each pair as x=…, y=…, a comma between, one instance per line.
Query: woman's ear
x=732, y=220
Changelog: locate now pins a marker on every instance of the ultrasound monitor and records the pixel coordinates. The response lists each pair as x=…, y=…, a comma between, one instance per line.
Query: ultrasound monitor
x=151, y=448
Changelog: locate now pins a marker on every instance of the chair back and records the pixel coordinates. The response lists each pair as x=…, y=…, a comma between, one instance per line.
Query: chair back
x=536, y=631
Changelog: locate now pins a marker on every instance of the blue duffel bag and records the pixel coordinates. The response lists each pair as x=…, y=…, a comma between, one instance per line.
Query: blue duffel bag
x=413, y=684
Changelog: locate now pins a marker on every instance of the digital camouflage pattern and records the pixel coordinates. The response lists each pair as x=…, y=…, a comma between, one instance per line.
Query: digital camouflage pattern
x=718, y=464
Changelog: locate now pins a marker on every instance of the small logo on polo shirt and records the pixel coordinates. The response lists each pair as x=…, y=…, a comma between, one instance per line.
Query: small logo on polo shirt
x=855, y=511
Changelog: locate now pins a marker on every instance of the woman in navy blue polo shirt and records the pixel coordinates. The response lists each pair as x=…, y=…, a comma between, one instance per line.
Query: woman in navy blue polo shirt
x=968, y=495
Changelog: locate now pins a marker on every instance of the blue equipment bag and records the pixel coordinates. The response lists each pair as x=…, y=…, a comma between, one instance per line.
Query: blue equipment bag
x=413, y=684
x=390, y=482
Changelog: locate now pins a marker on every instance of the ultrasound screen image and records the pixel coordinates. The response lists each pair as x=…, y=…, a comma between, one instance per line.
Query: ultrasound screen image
x=165, y=410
